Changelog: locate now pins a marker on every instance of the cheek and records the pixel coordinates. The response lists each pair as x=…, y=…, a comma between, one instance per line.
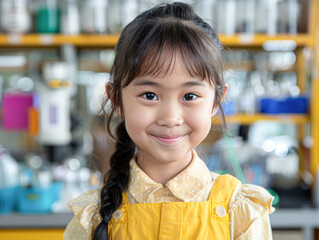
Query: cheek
x=202, y=121
x=136, y=121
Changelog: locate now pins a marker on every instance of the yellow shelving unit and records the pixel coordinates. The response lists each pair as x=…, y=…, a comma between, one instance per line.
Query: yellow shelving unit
x=315, y=126
x=249, y=119
x=31, y=234
x=233, y=41
x=56, y=40
x=109, y=40
x=257, y=40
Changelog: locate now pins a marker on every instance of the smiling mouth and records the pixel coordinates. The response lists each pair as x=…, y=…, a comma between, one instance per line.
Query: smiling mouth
x=168, y=139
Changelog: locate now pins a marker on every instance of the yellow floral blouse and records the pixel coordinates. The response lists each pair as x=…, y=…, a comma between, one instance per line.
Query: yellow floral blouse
x=248, y=212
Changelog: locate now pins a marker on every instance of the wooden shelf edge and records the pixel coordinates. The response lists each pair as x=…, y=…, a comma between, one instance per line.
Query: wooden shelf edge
x=48, y=40
x=285, y=118
x=257, y=40
x=110, y=40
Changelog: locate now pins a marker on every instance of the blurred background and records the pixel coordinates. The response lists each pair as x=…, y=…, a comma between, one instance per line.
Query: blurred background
x=54, y=61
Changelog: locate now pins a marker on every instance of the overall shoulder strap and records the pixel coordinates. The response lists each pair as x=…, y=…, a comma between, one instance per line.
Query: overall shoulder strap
x=125, y=200
x=223, y=188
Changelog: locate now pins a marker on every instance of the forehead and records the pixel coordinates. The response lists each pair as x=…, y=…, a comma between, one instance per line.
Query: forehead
x=168, y=62
x=175, y=75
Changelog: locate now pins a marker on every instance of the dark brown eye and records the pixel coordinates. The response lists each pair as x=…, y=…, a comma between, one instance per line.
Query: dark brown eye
x=189, y=97
x=149, y=96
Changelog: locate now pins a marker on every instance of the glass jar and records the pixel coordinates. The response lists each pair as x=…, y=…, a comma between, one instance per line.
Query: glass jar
x=15, y=16
x=261, y=19
x=48, y=16
x=206, y=10
x=245, y=16
x=94, y=16
x=288, y=14
x=226, y=16
x=120, y=13
x=272, y=18
x=293, y=16
x=70, y=19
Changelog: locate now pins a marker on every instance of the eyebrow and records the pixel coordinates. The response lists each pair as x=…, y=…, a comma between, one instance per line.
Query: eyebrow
x=194, y=83
x=146, y=82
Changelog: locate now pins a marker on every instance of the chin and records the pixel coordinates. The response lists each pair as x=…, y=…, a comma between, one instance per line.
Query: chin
x=172, y=156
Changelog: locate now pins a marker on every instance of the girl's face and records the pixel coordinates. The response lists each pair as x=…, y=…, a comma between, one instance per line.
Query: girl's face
x=166, y=117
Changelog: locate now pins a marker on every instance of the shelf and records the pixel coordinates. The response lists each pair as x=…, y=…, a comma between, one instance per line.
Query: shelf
x=281, y=218
x=51, y=226
x=31, y=234
x=109, y=40
x=16, y=220
x=49, y=40
x=285, y=118
x=250, y=40
x=305, y=219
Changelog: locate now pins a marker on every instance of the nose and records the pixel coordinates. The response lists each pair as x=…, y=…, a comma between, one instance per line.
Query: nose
x=170, y=115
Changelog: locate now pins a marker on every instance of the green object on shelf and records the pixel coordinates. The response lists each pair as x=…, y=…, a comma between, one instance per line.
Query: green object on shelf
x=275, y=195
x=234, y=160
x=48, y=20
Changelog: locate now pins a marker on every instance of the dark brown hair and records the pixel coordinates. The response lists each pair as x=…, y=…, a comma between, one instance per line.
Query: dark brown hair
x=148, y=46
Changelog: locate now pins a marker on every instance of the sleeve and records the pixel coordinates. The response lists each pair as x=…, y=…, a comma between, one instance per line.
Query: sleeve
x=86, y=216
x=249, y=213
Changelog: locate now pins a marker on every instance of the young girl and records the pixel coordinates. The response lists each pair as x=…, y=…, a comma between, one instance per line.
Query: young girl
x=167, y=83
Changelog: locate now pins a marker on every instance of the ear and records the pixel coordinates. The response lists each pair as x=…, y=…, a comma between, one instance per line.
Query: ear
x=107, y=90
x=224, y=94
x=118, y=111
x=225, y=90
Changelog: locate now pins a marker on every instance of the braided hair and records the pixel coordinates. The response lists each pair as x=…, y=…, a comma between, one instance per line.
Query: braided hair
x=148, y=45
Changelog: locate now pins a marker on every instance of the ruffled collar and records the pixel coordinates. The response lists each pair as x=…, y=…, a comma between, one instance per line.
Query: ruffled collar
x=185, y=186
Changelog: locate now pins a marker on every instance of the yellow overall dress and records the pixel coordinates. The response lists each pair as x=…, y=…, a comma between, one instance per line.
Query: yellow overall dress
x=176, y=220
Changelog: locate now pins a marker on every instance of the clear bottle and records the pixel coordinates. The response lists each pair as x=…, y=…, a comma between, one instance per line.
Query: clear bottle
x=206, y=10
x=15, y=16
x=121, y=12
x=70, y=17
x=94, y=16
x=288, y=14
x=293, y=16
x=272, y=17
x=226, y=16
x=114, y=14
x=282, y=19
x=245, y=16
x=261, y=19
x=9, y=169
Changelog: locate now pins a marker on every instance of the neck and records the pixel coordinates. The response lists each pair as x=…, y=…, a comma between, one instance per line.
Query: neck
x=163, y=172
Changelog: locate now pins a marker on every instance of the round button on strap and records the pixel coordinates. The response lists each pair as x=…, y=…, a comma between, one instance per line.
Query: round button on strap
x=221, y=211
x=117, y=214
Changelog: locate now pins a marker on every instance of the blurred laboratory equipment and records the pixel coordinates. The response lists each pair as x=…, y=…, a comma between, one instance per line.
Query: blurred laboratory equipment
x=70, y=17
x=9, y=180
x=120, y=13
x=245, y=16
x=55, y=104
x=76, y=180
x=225, y=23
x=15, y=107
x=8, y=169
x=48, y=16
x=15, y=16
x=94, y=16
